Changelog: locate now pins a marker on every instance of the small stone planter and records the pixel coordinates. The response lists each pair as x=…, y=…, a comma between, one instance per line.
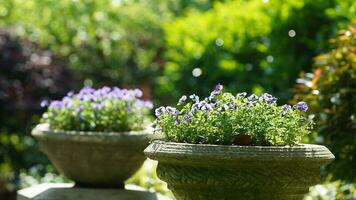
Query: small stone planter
x=94, y=159
x=201, y=171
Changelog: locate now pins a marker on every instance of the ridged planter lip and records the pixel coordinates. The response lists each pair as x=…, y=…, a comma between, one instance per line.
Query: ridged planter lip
x=164, y=151
x=94, y=159
x=44, y=131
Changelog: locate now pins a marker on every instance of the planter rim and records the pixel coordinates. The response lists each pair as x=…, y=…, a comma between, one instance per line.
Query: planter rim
x=172, y=151
x=44, y=131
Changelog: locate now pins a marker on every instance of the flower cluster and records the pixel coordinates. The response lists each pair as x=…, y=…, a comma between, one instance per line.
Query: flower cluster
x=104, y=109
x=223, y=118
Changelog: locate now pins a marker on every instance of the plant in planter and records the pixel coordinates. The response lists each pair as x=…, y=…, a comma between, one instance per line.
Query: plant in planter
x=236, y=147
x=96, y=137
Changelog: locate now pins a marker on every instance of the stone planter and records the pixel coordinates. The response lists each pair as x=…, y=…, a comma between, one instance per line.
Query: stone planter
x=94, y=159
x=200, y=171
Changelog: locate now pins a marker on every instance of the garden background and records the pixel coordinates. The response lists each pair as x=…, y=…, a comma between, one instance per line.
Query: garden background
x=292, y=49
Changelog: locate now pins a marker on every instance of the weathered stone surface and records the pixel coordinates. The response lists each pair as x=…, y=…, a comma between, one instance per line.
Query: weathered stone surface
x=68, y=192
x=195, y=171
x=94, y=159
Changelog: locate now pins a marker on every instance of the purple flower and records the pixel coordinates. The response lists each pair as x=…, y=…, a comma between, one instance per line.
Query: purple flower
x=218, y=87
x=177, y=122
x=213, y=105
x=79, y=109
x=138, y=93
x=242, y=94
x=286, y=108
x=302, y=106
x=128, y=109
x=143, y=104
x=213, y=94
x=199, y=105
x=252, y=97
x=207, y=108
x=105, y=89
x=97, y=106
x=148, y=104
x=232, y=106
x=188, y=117
x=67, y=102
x=159, y=111
x=56, y=104
x=249, y=104
x=224, y=107
x=172, y=111
x=44, y=103
x=182, y=100
x=70, y=94
x=86, y=90
x=194, y=98
x=269, y=98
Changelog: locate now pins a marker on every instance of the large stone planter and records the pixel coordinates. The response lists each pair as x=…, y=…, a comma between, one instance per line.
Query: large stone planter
x=94, y=159
x=196, y=171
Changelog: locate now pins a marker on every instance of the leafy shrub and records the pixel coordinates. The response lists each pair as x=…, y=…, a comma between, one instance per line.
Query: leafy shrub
x=250, y=46
x=105, y=109
x=147, y=178
x=113, y=42
x=105, y=41
x=331, y=91
x=109, y=42
x=334, y=190
x=28, y=74
x=223, y=118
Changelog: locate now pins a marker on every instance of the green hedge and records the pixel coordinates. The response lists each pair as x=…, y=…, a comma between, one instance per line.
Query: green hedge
x=248, y=45
x=331, y=91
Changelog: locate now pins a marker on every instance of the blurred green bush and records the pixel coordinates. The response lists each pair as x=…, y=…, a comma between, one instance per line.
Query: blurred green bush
x=248, y=45
x=28, y=74
x=108, y=42
x=332, y=191
x=171, y=46
x=331, y=93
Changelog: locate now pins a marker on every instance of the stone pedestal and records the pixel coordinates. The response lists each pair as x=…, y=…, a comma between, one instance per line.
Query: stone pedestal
x=61, y=191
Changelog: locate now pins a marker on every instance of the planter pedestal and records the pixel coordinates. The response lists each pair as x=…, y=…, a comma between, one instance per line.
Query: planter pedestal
x=61, y=191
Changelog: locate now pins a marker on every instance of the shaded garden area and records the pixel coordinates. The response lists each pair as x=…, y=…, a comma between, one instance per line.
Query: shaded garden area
x=296, y=50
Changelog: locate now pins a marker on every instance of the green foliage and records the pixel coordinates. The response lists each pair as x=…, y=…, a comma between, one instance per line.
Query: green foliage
x=35, y=176
x=112, y=42
x=223, y=118
x=28, y=74
x=334, y=190
x=105, y=109
x=331, y=91
x=146, y=177
x=104, y=41
x=248, y=45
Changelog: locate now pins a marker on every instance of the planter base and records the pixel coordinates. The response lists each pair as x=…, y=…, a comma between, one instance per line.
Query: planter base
x=60, y=191
x=214, y=183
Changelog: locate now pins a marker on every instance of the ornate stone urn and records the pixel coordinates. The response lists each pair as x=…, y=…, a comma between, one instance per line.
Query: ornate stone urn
x=204, y=171
x=94, y=159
